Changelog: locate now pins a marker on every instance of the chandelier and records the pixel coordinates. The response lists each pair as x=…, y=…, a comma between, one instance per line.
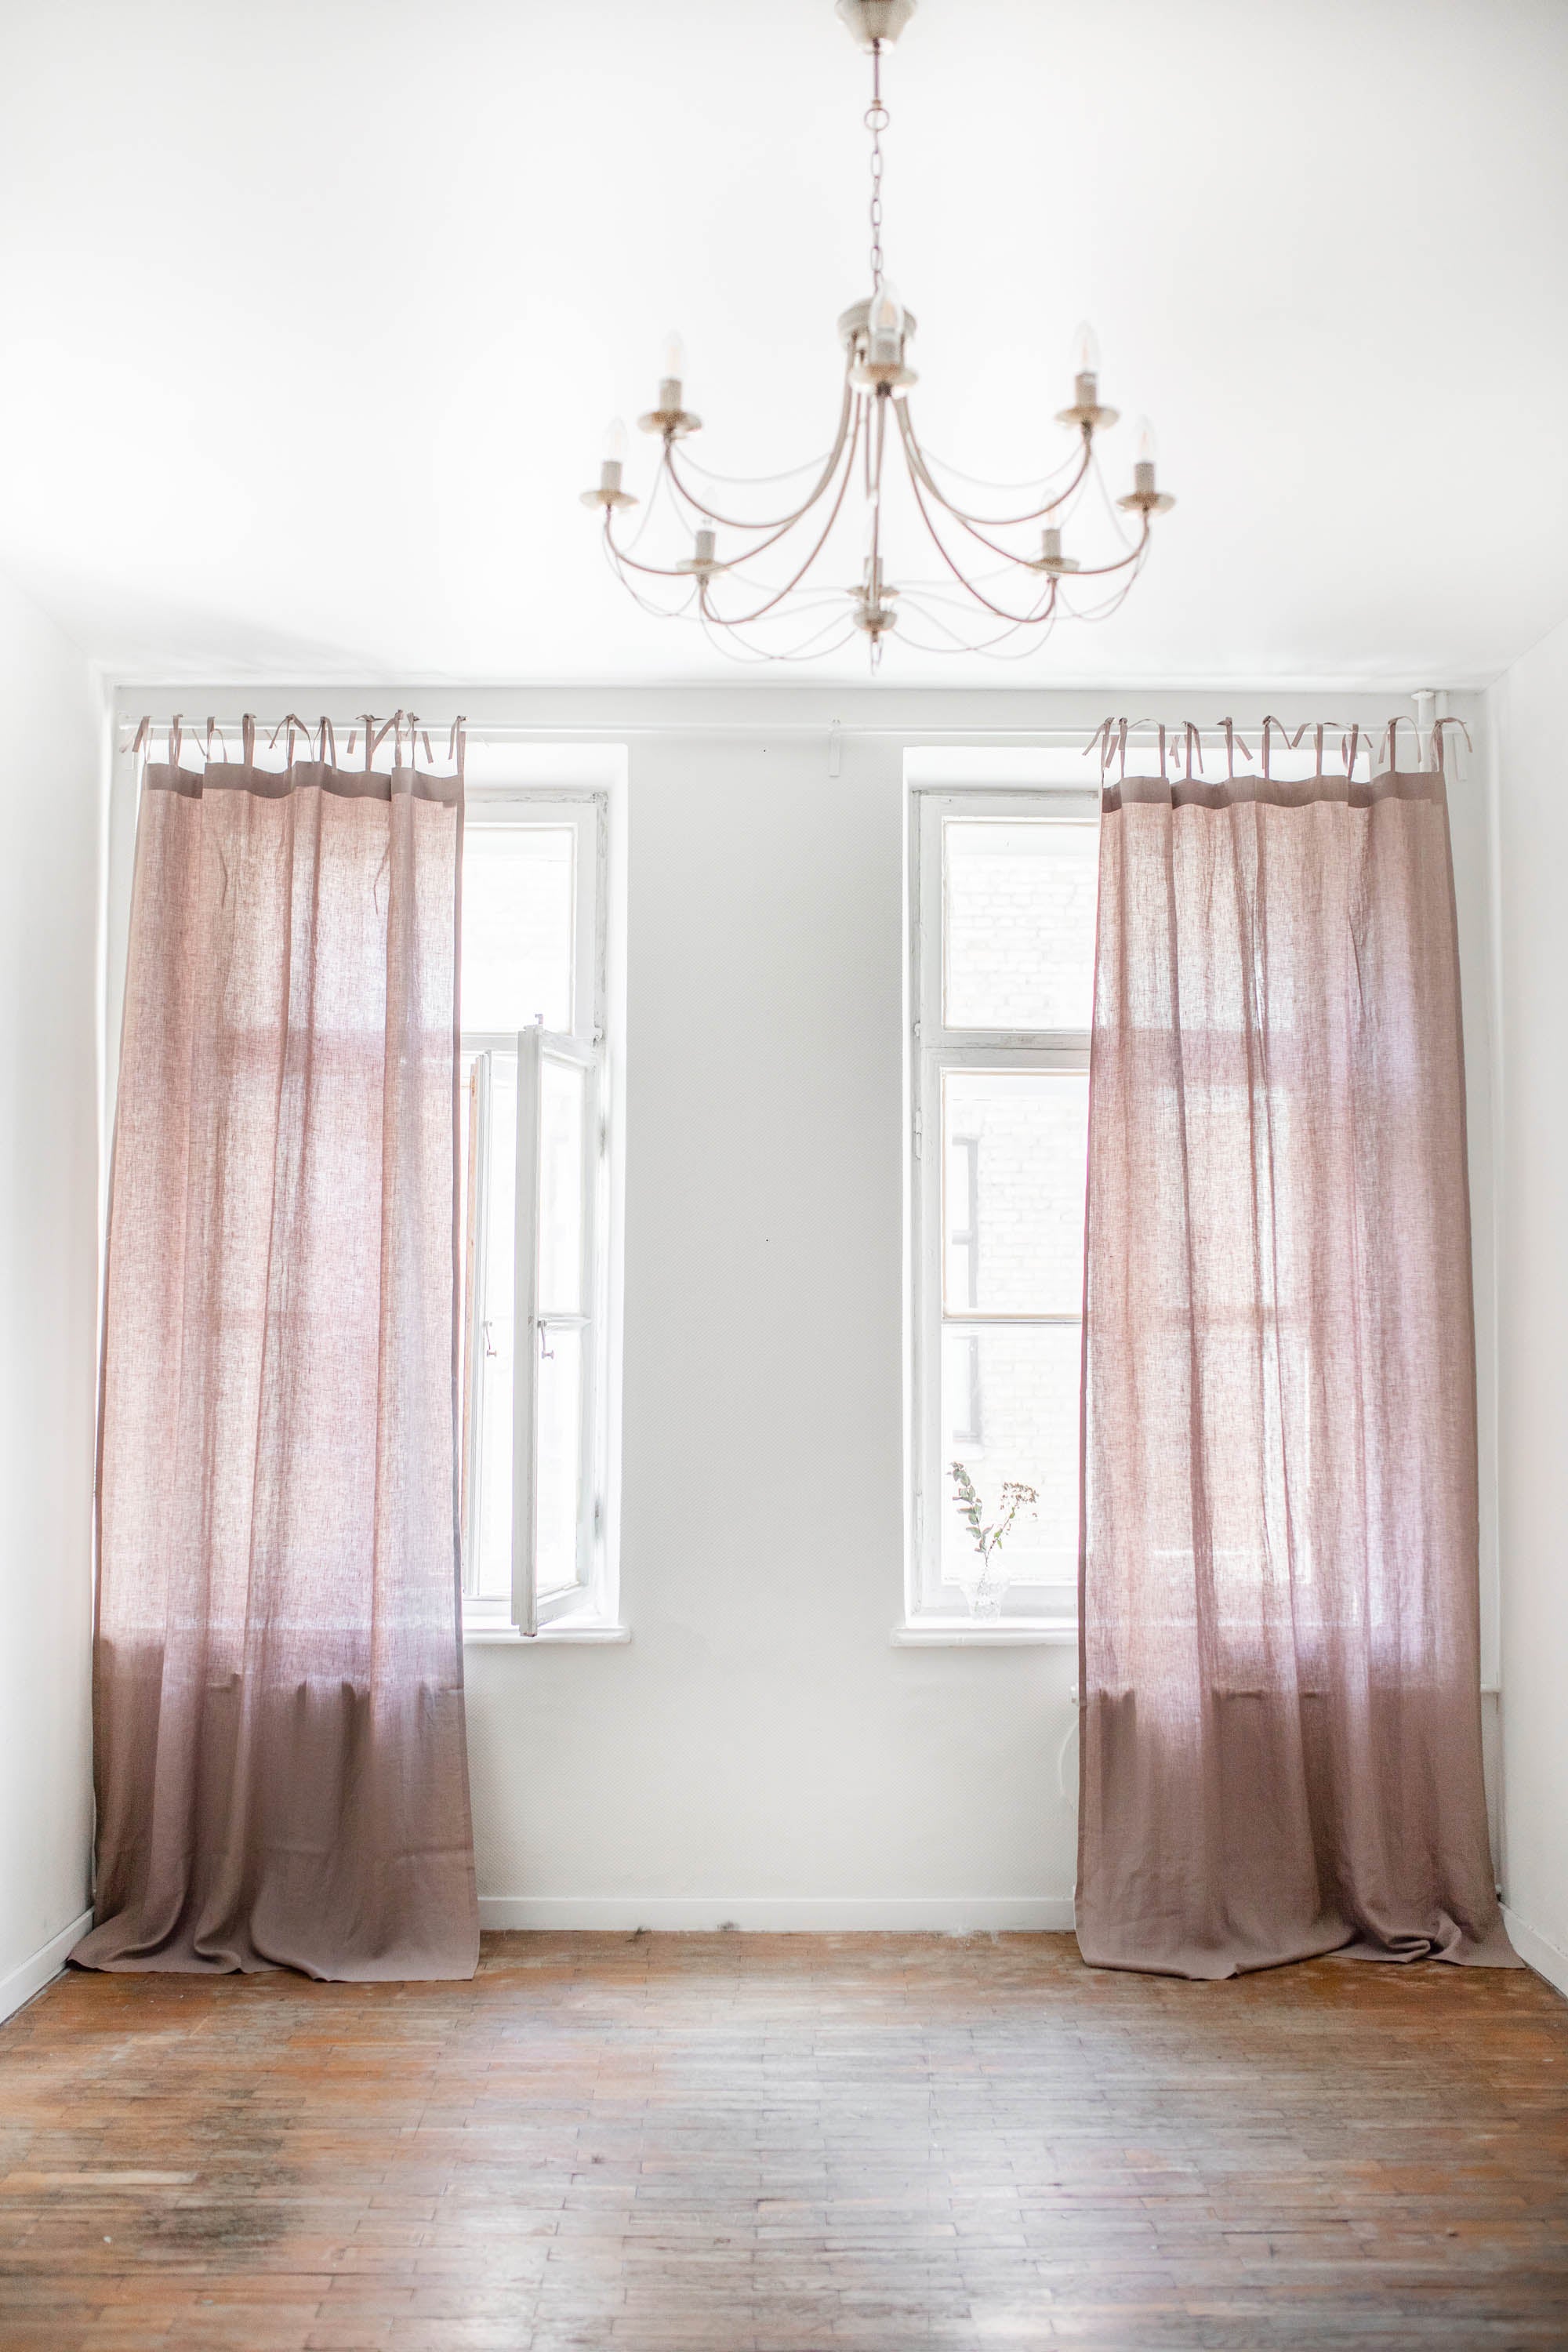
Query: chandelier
x=1002, y=581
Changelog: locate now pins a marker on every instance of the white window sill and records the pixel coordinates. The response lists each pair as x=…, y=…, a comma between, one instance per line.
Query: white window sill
x=548, y=1636
x=964, y=1633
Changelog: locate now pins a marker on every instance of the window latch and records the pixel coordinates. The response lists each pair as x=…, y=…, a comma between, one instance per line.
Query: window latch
x=546, y=1354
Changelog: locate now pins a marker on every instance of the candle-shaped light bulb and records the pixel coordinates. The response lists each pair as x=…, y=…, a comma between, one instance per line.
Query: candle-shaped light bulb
x=887, y=311
x=1143, y=463
x=614, y=455
x=1086, y=367
x=885, y=325
x=672, y=373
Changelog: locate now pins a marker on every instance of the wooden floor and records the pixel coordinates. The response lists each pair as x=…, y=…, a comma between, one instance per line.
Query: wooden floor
x=690, y=2142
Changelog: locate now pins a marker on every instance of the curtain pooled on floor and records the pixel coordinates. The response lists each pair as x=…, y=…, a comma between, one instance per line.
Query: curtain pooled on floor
x=1281, y=1718
x=279, y=1709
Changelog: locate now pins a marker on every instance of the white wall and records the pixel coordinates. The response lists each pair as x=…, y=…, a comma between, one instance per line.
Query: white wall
x=760, y=1750
x=50, y=1000
x=1531, y=817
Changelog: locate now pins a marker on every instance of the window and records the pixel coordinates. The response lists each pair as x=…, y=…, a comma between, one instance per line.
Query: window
x=535, y=1353
x=1002, y=933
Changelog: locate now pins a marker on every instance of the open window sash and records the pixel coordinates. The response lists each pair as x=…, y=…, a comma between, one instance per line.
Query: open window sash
x=555, y=1373
x=475, y=1323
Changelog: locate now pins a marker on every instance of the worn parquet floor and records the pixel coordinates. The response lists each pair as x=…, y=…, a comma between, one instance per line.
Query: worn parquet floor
x=704, y=2143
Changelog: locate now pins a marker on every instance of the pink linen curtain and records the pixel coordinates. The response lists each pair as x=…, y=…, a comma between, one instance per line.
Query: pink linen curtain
x=1281, y=1718
x=280, y=1764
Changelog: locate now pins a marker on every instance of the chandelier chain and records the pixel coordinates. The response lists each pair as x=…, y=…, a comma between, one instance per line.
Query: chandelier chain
x=877, y=121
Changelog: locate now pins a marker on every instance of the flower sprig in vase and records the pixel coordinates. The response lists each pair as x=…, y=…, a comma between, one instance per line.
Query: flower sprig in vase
x=985, y=1595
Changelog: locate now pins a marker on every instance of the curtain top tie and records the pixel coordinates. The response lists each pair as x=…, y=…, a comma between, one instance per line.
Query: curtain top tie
x=318, y=740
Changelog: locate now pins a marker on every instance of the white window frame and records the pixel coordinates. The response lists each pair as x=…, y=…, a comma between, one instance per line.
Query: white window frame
x=590, y=1606
x=930, y=1605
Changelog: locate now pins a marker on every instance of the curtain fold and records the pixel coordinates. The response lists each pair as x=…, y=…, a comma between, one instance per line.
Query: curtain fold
x=281, y=1772
x=1280, y=1644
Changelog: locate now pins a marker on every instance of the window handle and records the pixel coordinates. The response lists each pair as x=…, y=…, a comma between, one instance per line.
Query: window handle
x=490, y=1344
x=546, y=1354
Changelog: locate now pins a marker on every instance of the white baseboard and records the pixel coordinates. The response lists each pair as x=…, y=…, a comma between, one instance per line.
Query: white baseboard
x=1538, y=1951
x=771, y=1915
x=33, y=1974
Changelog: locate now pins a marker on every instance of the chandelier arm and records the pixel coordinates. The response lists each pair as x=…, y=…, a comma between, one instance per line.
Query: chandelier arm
x=723, y=638
x=751, y=481
x=1112, y=513
x=958, y=645
x=878, y=433
x=646, y=604
x=1102, y=612
x=989, y=649
x=649, y=570
x=651, y=510
x=734, y=646
x=744, y=620
x=937, y=593
x=781, y=530
x=733, y=649
x=991, y=522
x=658, y=612
x=761, y=656
x=807, y=600
x=1021, y=620
x=1104, y=571
x=915, y=459
x=620, y=557
x=987, y=645
x=1136, y=550
x=975, y=482
x=775, y=522
x=1107, y=605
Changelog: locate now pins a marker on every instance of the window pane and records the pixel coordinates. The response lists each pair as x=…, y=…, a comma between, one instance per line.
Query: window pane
x=1018, y=908
x=562, y=1107
x=1014, y=1146
x=1010, y=1414
x=489, y=1575
x=560, y=1456
x=518, y=896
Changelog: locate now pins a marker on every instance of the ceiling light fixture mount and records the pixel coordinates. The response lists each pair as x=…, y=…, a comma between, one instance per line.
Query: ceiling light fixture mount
x=874, y=21
x=970, y=607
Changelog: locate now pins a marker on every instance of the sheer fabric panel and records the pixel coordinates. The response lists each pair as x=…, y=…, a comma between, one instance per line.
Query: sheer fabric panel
x=1281, y=1725
x=280, y=1757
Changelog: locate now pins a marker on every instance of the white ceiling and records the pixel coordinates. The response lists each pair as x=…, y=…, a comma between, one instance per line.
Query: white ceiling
x=313, y=312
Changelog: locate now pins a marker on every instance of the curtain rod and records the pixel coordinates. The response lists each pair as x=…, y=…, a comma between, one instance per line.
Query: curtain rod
x=1183, y=741
x=1076, y=736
